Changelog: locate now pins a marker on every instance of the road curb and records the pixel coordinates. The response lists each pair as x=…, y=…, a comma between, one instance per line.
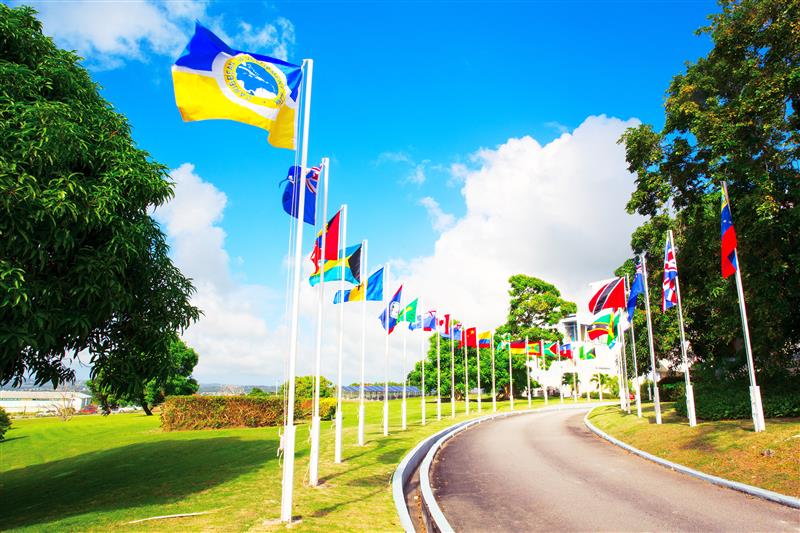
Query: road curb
x=421, y=456
x=757, y=492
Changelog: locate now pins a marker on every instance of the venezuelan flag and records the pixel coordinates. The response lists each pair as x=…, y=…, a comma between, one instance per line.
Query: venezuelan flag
x=214, y=81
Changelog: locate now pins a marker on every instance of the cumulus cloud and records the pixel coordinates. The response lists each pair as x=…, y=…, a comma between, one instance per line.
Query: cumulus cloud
x=556, y=212
x=108, y=34
x=439, y=219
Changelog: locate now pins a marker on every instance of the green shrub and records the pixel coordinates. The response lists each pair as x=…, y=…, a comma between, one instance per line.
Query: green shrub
x=214, y=412
x=5, y=423
x=731, y=401
x=672, y=392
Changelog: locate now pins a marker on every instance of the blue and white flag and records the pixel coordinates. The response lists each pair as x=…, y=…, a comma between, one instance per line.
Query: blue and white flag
x=393, y=310
x=637, y=287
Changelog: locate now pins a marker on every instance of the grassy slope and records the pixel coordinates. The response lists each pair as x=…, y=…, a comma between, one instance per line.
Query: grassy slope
x=728, y=448
x=98, y=473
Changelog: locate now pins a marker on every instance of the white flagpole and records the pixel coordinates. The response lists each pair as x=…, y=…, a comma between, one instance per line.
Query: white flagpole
x=561, y=369
x=755, y=391
x=544, y=369
x=365, y=282
x=510, y=377
x=403, y=407
x=574, y=376
x=624, y=370
x=386, y=356
x=528, y=373
x=438, y=370
x=287, y=484
x=656, y=399
x=635, y=364
x=478, y=352
x=313, y=463
x=684, y=357
x=452, y=373
x=424, y=357
x=338, y=446
x=494, y=392
x=466, y=370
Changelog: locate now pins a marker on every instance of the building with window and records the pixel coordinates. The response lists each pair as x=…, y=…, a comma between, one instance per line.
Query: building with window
x=30, y=402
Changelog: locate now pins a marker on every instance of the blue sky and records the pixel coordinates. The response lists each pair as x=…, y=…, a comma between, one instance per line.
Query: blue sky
x=405, y=95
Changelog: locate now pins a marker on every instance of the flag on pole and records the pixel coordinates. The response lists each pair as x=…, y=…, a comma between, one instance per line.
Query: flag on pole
x=669, y=296
x=456, y=332
x=637, y=288
x=551, y=350
x=471, y=337
x=416, y=324
x=356, y=294
x=517, y=347
x=728, y=234
x=566, y=351
x=605, y=325
x=393, y=310
x=408, y=313
x=485, y=339
x=291, y=196
x=585, y=354
x=429, y=321
x=348, y=267
x=534, y=349
x=214, y=81
x=610, y=296
x=445, y=323
x=331, y=230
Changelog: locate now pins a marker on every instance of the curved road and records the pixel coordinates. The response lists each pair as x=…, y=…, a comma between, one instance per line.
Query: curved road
x=547, y=472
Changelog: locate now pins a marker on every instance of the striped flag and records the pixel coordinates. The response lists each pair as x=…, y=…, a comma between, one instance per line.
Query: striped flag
x=669, y=297
x=728, y=234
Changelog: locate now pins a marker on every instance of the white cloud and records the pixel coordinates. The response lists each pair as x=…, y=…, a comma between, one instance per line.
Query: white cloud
x=556, y=212
x=394, y=157
x=108, y=34
x=440, y=220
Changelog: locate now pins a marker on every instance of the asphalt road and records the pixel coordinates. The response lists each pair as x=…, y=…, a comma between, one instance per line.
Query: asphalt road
x=547, y=472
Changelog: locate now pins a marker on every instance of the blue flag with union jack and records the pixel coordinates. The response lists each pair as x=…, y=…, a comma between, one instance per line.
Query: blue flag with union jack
x=291, y=193
x=669, y=297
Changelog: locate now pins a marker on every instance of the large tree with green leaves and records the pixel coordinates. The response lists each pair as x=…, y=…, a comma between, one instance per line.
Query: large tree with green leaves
x=535, y=307
x=83, y=267
x=732, y=115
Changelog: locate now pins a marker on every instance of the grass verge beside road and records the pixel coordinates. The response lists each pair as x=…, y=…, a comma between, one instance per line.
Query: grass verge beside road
x=97, y=473
x=727, y=448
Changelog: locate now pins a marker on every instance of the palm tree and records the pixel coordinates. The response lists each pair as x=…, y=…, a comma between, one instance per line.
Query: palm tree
x=603, y=381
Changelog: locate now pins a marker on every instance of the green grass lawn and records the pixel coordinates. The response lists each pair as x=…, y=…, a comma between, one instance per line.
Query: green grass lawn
x=727, y=448
x=99, y=473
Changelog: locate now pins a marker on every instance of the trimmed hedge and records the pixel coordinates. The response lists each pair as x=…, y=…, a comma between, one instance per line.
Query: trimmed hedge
x=731, y=401
x=215, y=412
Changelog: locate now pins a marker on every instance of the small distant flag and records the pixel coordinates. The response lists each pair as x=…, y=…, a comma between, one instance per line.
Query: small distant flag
x=485, y=340
x=585, y=354
x=728, y=234
x=409, y=312
x=291, y=196
x=669, y=296
x=605, y=325
x=517, y=347
x=331, y=243
x=214, y=81
x=551, y=349
x=356, y=294
x=389, y=315
x=445, y=323
x=429, y=321
x=416, y=324
x=610, y=296
x=535, y=349
x=456, y=332
x=348, y=267
x=637, y=288
x=565, y=351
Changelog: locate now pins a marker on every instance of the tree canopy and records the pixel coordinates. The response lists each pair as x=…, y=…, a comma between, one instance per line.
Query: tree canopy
x=83, y=267
x=732, y=115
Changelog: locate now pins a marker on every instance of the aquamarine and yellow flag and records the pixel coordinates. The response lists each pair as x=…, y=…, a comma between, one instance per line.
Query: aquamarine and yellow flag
x=214, y=81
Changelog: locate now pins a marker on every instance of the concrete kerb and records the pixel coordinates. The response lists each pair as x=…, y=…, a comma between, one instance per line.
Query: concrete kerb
x=422, y=456
x=757, y=492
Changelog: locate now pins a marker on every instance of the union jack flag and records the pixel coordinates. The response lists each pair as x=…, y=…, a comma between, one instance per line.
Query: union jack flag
x=669, y=296
x=312, y=178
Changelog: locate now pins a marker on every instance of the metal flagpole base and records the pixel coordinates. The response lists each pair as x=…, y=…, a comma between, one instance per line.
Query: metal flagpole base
x=288, y=474
x=313, y=466
x=385, y=418
x=338, y=450
x=403, y=409
x=690, y=406
x=361, y=424
x=758, y=410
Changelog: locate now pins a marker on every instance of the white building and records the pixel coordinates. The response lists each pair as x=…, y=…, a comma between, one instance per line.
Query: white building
x=22, y=402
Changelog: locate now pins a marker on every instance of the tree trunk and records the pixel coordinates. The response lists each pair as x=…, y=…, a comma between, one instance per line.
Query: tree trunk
x=145, y=407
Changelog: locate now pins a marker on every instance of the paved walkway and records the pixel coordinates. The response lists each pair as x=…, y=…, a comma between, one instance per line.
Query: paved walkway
x=547, y=472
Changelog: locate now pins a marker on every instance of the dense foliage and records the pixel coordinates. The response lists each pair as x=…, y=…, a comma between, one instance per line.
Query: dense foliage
x=304, y=387
x=5, y=423
x=83, y=267
x=535, y=306
x=732, y=115
x=715, y=401
x=214, y=412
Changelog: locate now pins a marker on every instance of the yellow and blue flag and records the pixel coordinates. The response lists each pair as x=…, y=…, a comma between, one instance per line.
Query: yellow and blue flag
x=214, y=81
x=373, y=293
x=347, y=267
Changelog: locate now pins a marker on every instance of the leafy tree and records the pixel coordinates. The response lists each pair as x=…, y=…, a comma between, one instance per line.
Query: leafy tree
x=732, y=115
x=5, y=423
x=304, y=387
x=535, y=307
x=177, y=364
x=83, y=267
x=257, y=393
